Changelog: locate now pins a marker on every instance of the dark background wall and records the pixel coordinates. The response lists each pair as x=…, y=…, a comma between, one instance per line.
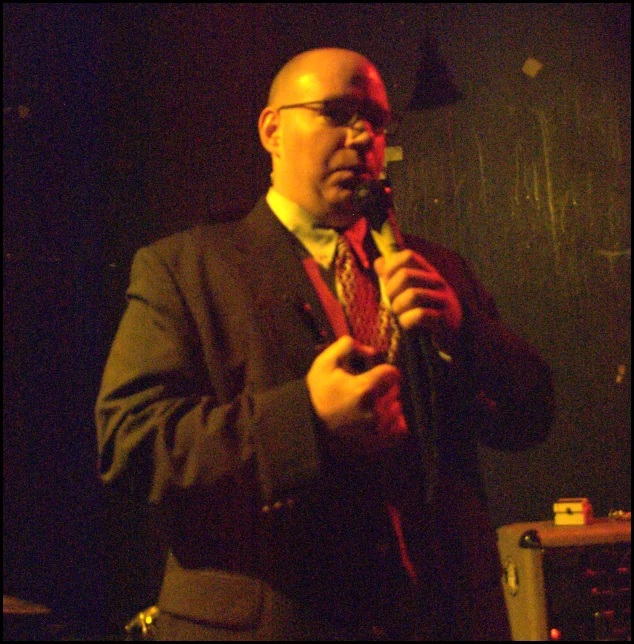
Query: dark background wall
x=125, y=122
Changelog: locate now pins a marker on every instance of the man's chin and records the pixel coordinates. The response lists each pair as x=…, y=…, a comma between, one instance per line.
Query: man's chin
x=334, y=205
x=341, y=213
x=340, y=196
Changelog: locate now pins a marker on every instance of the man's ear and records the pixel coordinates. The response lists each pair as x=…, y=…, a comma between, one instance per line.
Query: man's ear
x=269, y=128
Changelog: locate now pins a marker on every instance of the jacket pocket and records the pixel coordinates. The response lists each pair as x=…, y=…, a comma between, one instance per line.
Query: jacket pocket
x=221, y=599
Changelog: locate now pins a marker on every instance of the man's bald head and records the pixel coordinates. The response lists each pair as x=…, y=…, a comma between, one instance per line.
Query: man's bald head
x=302, y=78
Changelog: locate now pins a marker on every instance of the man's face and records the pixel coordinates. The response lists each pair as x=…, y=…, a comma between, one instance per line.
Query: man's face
x=318, y=161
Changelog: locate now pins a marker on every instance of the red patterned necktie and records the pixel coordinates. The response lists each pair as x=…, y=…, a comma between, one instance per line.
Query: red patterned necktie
x=371, y=321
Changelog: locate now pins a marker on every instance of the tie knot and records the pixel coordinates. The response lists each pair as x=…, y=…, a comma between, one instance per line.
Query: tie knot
x=350, y=242
x=344, y=248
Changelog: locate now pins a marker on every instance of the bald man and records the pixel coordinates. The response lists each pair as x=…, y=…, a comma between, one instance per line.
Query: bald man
x=304, y=496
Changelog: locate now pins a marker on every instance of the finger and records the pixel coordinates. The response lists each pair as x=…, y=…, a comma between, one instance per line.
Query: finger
x=424, y=318
x=377, y=382
x=381, y=378
x=334, y=354
x=406, y=278
x=379, y=266
x=418, y=298
x=403, y=259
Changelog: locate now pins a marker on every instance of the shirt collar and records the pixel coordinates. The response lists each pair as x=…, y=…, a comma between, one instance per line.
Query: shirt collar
x=320, y=242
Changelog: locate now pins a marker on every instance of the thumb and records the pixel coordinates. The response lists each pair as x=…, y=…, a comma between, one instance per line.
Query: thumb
x=379, y=380
x=337, y=352
x=379, y=265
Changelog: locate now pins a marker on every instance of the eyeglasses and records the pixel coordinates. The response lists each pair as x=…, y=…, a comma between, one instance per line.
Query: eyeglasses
x=343, y=112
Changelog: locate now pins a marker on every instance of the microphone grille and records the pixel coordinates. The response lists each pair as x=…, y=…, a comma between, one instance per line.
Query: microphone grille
x=373, y=200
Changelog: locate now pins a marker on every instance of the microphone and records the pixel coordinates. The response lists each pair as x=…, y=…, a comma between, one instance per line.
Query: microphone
x=373, y=199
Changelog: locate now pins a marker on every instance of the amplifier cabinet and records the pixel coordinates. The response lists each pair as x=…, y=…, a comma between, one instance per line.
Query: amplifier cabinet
x=567, y=582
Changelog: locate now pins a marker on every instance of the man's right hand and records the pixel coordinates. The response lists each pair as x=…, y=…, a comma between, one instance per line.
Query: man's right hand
x=360, y=411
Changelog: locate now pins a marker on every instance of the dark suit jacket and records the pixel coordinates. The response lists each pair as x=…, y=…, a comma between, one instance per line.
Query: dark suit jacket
x=204, y=407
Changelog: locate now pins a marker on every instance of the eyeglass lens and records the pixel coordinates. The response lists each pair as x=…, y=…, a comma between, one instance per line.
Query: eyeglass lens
x=346, y=113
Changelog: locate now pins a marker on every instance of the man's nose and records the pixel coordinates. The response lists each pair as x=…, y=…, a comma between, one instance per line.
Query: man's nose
x=360, y=133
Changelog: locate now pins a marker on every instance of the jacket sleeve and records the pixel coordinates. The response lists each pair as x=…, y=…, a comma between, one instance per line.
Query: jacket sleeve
x=512, y=398
x=176, y=417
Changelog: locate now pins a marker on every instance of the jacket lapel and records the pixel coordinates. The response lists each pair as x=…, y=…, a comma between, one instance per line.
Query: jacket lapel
x=288, y=307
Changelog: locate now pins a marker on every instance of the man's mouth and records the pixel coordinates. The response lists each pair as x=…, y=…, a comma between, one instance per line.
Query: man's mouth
x=350, y=177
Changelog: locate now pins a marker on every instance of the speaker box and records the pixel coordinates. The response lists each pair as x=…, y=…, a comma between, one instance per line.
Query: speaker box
x=568, y=583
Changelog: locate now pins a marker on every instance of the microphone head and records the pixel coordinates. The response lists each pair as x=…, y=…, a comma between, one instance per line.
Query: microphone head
x=373, y=199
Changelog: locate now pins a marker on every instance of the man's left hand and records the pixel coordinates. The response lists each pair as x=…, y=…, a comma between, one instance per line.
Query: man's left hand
x=421, y=297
